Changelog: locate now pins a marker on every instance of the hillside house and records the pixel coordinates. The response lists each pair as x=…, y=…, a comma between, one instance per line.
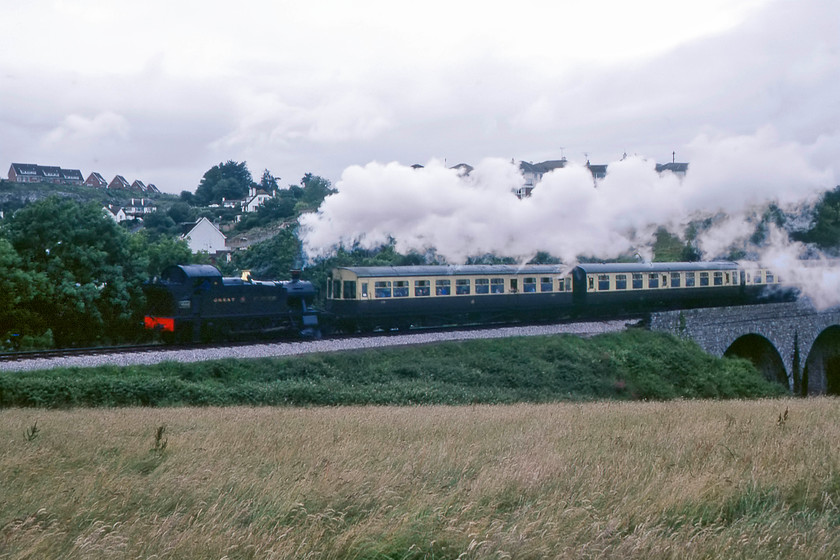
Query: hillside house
x=255, y=199
x=203, y=235
x=139, y=185
x=116, y=213
x=34, y=173
x=96, y=180
x=119, y=182
x=139, y=207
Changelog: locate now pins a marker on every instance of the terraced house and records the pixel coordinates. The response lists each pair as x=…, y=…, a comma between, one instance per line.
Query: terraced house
x=34, y=173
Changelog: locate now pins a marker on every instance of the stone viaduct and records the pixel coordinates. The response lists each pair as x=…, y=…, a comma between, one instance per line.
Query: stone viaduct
x=791, y=343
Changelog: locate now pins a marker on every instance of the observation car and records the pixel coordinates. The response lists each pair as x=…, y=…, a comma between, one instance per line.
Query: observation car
x=190, y=303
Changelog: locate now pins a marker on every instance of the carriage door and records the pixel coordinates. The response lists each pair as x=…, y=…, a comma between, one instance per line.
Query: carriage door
x=514, y=285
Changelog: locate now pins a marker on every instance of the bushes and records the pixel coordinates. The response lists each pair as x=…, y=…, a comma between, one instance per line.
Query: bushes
x=630, y=365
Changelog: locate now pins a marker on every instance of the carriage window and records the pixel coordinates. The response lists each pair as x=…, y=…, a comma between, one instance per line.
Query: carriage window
x=422, y=288
x=638, y=281
x=704, y=278
x=757, y=278
x=462, y=286
x=591, y=282
x=336, y=289
x=382, y=289
x=770, y=277
x=401, y=288
x=497, y=285
x=568, y=284
x=442, y=287
x=364, y=289
x=689, y=279
x=653, y=280
x=718, y=278
x=675, y=279
x=621, y=282
x=727, y=279
x=349, y=290
x=529, y=285
x=482, y=286
x=546, y=284
x=603, y=282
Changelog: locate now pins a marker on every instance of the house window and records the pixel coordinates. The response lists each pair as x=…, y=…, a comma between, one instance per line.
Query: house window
x=462, y=286
x=546, y=284
x=482, y=286
x=442, y=287
x=529, y=285
x=497, y=285
x=621, y=282
x=422, y=288
x=401, y=288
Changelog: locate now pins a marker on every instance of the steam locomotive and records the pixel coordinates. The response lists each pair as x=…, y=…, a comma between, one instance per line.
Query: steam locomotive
x=194, y=302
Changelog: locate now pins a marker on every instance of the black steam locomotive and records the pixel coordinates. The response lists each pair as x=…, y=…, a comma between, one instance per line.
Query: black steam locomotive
x=194, y=302
x=190, y=303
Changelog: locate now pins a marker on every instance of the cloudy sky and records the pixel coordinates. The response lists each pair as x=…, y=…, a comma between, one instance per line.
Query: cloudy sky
x=161, y=91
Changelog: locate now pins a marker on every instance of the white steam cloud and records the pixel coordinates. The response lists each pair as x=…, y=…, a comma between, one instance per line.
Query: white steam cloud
x=568, y=215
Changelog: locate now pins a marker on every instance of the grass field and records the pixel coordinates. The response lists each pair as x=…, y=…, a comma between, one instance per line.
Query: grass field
x=678, y=479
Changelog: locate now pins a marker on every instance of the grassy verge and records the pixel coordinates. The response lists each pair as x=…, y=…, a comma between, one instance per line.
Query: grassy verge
x=624, y=366
x=679, y=479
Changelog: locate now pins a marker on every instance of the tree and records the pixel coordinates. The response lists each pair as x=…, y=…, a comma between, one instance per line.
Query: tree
x=268, y=183
x=93, y=282
x=825, y=228
x=271, y=259
x=315, y=190
x=229, y=181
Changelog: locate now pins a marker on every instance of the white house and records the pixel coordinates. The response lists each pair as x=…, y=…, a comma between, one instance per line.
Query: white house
x=204, y=236
x=254, y=200
x=115, y=213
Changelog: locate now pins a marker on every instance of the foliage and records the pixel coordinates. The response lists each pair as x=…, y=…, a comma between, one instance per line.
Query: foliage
x=632, y=365
x=271, y=259
x=230, y=181
x=85, y=279
x=825, y=228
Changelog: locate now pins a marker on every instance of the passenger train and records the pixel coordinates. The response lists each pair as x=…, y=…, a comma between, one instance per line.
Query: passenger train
x=194, y=302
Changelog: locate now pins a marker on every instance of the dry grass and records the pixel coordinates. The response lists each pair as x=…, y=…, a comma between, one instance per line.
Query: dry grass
x=612, y=480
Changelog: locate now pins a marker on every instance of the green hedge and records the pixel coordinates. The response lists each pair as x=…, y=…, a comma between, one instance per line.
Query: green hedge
x=630, y=365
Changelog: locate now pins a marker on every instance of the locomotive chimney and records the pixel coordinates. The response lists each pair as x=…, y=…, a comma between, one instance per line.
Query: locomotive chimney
x=295, y=273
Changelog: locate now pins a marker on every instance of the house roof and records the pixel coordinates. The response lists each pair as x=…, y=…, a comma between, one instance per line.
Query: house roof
x=26, y=169
x=675, y=167
x=119, y=182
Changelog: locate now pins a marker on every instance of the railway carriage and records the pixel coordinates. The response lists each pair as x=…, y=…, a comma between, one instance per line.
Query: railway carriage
x=390, y=297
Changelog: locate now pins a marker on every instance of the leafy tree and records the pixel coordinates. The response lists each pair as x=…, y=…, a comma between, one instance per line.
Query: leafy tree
x=268, y=183
x=156, y=254
x=825, y=228
x=271, y=259
x=18, y=288
x=229, y=181
x=93, y=282
x=315, y=190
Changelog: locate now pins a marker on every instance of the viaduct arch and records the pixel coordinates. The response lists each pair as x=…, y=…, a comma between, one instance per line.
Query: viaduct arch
x=791, y=343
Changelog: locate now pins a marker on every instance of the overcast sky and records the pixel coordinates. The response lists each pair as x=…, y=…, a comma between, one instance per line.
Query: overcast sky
x=161, y=91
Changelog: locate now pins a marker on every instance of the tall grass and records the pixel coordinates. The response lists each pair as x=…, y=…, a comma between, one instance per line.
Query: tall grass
x=678, y=479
